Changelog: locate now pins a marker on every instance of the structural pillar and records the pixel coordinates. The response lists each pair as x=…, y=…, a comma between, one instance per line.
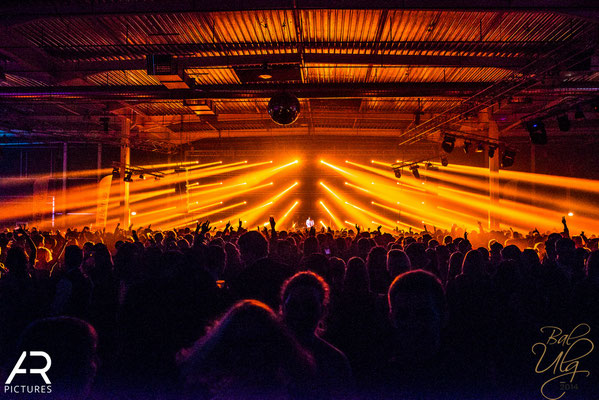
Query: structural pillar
x=486, y=116
x=99, y=164
x=533, y=170
x=125, y=163
x=64, y=185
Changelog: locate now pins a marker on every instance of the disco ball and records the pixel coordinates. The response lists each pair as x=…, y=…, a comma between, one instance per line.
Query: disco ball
x=284, y=108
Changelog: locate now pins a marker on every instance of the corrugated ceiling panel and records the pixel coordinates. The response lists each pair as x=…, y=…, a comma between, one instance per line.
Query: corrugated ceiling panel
x=214, y=76
x=120, y=78
x=16, y=80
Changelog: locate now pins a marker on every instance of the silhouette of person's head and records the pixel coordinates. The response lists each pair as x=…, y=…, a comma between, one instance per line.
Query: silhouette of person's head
x=71, y=345
x=417, y=254
x=73, y=257
x=317, y=263
x=455, y=265
x=356, y=277
x=364, y=246
x=253, y=246
x=417, y=311
x=248, y=352
x=216, y=259
x=304, y=298
x=565, y=251
x=16, y=261
x=398, y=262
x=336, y=273
x=511, y=252
x=310, y=246
x=473, y=264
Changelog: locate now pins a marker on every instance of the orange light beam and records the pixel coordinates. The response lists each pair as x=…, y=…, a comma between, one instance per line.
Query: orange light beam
x=384, y=164
x=212, y=212
x=357, y=187
x=336, y=168
x=140, y=215
x=195, y=186
x=148, y=195
x=285, y=191
x=204, y=192
x=330, y=191
x=286, y=165
x=287, y=212
x=335, y=219
x=204, y=207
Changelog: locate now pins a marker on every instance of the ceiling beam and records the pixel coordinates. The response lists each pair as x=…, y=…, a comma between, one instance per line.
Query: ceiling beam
x=86, y=52
x=46, y=8
x=136, y=94
x=356, y=60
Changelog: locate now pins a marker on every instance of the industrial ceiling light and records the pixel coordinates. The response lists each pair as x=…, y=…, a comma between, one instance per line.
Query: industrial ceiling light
x=537, y=132
x=491, y=150
x=128, y=176
x=415, y=172
x=563, y=123
x=467, y=145
x=265, y=74
x=116, y=173
x=507, y=160
x=480, y=148
x=448, y=143
x=444, y=161
x=284, y=108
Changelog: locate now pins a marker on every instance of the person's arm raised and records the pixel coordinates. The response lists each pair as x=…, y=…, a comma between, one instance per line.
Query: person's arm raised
x=32, y=249
x=566, y=232
x=135, y=237
x=481, y=230
x=273, y=231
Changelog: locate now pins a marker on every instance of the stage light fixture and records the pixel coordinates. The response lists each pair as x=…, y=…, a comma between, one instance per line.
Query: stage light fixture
x=415, y=172
x=448, y=143
x=563, y=123
x=128, y=176
x=537, y=132
x=142, y=176
x=491, y=150
x=397, y=172
x=116, y=173
x=444, y=161
x=466, y=147
x=480, y=148
x=507, y=160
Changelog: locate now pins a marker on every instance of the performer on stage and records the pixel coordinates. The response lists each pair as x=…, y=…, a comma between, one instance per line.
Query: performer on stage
x=309, y=223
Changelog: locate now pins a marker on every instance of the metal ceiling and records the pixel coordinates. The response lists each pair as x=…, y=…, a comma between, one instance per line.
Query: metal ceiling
x=368, y=71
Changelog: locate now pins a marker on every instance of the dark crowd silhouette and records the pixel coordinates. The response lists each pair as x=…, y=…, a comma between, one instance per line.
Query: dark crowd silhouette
x=302, y=314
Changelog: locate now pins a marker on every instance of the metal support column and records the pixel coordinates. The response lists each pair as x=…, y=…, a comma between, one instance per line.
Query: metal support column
x=125, y=161
x=486, y=116
x=64, y=185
